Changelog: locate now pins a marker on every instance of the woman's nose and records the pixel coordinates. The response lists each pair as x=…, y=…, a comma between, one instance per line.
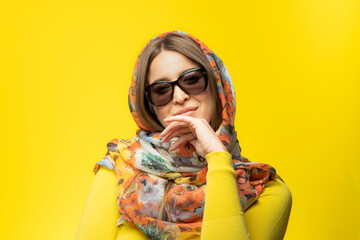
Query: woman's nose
x=179, y=96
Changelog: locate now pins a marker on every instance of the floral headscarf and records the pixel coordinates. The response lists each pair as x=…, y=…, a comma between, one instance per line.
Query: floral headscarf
x=150, y=178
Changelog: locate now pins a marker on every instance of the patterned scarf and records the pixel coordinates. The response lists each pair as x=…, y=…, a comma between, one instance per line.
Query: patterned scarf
x=151, y=179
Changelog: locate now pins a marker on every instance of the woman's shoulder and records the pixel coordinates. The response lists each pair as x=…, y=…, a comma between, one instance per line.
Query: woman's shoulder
x=115, y=148
x=108, y=160
x=116, y=144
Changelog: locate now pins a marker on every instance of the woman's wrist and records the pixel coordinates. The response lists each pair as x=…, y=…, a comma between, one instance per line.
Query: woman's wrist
x=213, y=149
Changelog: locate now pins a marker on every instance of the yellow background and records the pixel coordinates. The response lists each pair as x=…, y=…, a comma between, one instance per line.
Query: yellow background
x=66, y=68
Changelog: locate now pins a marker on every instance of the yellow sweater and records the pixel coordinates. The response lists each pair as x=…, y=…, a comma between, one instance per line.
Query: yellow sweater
x=223, y=217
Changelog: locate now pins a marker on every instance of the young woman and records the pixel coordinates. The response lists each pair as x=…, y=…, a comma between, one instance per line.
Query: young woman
x=182, y=176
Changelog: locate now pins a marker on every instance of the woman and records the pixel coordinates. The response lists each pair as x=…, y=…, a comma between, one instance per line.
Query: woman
x=182, y=176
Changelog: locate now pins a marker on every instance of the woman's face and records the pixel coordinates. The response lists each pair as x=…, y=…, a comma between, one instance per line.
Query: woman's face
x=170, y=65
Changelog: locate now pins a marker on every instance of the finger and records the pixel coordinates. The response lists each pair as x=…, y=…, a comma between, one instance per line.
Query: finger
x=175, y=133
x=183, y=139
x=172, y=126
x=191, y=121
x=180, y=118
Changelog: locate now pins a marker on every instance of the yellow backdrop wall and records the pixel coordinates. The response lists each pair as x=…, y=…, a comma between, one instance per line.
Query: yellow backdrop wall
x=66, y=68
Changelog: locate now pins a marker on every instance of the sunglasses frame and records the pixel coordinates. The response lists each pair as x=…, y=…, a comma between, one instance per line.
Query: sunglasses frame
x=176, y=82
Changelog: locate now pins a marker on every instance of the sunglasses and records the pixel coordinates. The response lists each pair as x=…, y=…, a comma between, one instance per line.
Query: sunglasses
x=192, y=81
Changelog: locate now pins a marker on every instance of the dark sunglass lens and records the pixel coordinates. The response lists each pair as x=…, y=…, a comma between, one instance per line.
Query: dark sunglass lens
x=160, y=93
x=193, y=82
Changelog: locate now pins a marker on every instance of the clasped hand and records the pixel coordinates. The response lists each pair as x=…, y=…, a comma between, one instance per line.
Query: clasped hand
x=194, y=130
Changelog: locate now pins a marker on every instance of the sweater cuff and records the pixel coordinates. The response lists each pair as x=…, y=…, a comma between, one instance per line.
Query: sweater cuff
x=218, y=160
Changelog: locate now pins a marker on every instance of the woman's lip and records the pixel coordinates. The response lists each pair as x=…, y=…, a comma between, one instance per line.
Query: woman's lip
x=186, y=111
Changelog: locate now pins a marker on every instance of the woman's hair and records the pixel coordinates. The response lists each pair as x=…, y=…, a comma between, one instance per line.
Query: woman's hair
x=189, y=48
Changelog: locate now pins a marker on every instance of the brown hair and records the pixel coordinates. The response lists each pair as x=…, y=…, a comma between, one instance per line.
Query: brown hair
x=189, y=48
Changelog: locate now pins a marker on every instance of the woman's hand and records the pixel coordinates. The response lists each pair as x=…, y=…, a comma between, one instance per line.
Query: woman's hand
x=194, y=130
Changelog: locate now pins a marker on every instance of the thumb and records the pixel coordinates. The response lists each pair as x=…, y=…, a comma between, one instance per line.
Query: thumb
x=193, y=142
x=197, y=147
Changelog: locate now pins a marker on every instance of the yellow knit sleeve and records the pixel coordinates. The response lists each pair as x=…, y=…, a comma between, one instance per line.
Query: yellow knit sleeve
x=266, y=219
x=100, y=213
x=223, y=216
